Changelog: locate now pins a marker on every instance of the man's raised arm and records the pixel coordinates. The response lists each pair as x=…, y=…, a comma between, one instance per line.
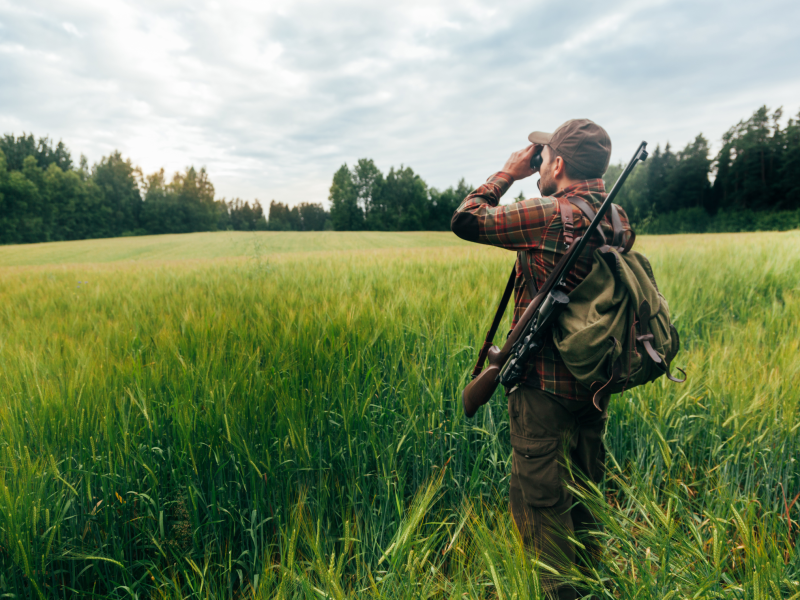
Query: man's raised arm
x=516, y=226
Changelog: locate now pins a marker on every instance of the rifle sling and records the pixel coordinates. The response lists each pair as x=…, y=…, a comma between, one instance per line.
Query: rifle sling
x=495, y=323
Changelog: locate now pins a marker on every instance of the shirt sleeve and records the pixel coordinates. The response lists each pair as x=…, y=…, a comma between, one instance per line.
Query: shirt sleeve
x=518, y=226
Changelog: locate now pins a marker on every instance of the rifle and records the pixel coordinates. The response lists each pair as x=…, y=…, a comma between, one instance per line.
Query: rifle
x=507, y=364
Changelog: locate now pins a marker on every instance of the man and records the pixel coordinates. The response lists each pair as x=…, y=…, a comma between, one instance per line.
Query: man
x=552, y=417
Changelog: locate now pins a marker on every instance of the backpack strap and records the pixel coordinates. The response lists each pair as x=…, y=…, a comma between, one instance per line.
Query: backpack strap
x=645, y=337
x=671, y=377
x=566, y=219
x=629, y=243
x=616, y=225
x=590, y=213
x=616, y=373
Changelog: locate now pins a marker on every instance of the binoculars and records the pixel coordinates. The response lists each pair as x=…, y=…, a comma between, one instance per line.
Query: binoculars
x=536, y=159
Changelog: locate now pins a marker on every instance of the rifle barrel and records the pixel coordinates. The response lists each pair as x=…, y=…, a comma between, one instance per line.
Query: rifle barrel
x=640, y=154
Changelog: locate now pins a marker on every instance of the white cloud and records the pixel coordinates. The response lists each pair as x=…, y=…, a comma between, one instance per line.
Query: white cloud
x=273, y=97
x=71, y=29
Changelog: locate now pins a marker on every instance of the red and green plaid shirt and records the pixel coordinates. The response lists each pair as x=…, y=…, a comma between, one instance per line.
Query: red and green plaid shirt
x=533, y=227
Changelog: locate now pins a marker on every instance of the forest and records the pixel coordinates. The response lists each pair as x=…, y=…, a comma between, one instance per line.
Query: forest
x=45, y=196
x=752, y=183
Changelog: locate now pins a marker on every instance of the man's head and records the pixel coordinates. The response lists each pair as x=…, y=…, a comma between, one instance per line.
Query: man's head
x=579, y=149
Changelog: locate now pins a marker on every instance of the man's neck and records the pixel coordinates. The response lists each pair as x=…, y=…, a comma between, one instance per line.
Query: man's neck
x=565, y=183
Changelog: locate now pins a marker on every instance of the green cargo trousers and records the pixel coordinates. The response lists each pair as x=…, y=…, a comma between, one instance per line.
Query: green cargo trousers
x=546, y=431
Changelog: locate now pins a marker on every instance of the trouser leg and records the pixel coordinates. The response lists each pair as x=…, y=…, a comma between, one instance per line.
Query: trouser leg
x=540, y=502
x=544, y=531
x=588, y=460
x=545, y=430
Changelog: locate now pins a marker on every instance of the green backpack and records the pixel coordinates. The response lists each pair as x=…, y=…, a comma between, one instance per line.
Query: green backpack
x=616, y=333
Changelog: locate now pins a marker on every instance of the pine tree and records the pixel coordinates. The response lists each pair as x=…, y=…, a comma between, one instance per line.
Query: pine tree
x=688, y=183
x=43, y=151
x=789, y=174
x=749, y=163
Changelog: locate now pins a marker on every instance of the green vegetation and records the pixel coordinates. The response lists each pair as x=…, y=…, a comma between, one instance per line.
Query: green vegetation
x=45, y=197
x=756, y=182
x=210, y=245
x=288, y=426
x=362, y=198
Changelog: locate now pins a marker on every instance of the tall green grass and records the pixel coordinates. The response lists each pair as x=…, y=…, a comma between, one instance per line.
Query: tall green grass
x=290, y=426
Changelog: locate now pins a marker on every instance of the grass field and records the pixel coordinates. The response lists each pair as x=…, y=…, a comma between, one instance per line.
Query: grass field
x=277, y=415
x=203, y=246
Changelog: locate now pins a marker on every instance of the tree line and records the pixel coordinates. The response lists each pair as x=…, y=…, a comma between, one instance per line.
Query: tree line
x=753, y=182
x=362, y=198
x=45, y=196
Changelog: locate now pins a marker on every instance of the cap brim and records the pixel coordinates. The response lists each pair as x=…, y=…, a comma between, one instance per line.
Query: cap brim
x=540, y=137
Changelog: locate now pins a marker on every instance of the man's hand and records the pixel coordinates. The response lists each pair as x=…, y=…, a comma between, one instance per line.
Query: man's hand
x=518, y=164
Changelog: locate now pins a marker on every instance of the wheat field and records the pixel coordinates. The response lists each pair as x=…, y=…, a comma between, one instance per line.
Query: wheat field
x=268, y=415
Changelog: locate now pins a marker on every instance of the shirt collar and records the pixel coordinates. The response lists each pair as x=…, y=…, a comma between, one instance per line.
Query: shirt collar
x=587, y=187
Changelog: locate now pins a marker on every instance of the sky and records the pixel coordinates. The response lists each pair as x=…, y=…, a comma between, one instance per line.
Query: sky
x=272, y=97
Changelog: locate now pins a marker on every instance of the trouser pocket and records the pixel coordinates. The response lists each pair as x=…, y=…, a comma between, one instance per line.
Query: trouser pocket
x=537, y=470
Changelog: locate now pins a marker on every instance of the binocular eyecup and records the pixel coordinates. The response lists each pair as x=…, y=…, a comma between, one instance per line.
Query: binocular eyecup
x=536, y=160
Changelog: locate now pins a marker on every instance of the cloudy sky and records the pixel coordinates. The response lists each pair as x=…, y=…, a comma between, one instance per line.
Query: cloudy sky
x=272, y=97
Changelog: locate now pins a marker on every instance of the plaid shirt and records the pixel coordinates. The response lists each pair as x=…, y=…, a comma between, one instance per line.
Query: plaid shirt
x=533, y=227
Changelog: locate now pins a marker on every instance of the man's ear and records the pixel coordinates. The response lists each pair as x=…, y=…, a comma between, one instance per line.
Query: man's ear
x=558, y=167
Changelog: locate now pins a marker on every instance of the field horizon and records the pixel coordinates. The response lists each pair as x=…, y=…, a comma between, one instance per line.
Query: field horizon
x=217, y=244
x=261, y=244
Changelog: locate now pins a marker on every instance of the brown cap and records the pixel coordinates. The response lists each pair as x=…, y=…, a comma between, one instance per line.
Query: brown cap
x=582, y=143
